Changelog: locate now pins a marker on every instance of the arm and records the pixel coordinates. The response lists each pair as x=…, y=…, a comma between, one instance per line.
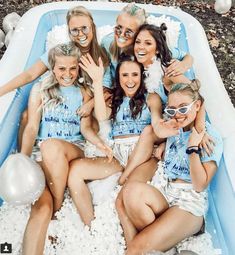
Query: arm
x=25, y=77
x=201, y=173
x=96, y=74
x=162, y=128
x=90, y=134
x=200, y=119
x=207, y=142
x=34, y=118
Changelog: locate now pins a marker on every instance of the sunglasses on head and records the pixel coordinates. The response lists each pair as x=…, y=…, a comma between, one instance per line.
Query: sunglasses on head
x=127, y=34
x=181, y=110
x=75, y=31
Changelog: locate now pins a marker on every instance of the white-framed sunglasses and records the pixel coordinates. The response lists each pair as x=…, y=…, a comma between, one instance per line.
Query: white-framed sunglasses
x=75, y=31
x=181, y=110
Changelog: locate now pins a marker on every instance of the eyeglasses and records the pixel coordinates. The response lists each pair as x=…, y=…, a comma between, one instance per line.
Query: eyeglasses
x=128, y=32
x=181, y=110
x=75, y=31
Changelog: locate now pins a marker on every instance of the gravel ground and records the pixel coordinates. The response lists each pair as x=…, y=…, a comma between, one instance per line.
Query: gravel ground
x=220, y=30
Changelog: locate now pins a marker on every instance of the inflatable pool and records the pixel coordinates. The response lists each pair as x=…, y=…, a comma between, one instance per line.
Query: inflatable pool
x=28, y=43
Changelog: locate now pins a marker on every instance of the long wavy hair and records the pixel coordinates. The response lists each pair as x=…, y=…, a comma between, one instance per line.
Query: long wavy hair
x=158, y=33
x=138, y=101
x=49, y=87
x=133, y=11
x=95, y=50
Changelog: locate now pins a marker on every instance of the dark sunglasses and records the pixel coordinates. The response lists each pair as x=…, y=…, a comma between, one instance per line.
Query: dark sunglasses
x=128, y=32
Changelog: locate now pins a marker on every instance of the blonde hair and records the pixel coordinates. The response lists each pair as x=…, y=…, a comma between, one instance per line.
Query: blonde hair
x=95, y=50
x=49, y=87
x=191, y=89
x=132, y=10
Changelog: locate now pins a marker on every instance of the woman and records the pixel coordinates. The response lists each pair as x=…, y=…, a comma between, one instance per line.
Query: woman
x=151, y=50
x=127, y=26
x=130, y=112
x=82, y=32
x=178, y=201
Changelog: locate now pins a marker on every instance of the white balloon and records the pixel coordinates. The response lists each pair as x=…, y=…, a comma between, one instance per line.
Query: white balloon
x=22, y=180
x=222, y=6
x=2, y=38
x=8, y=37
x=10, y=21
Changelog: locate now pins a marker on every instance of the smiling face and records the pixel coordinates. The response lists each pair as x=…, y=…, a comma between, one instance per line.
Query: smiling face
x=145, y=48
x=177, y=100
x=83, y=26
x=126, y=27
x=130, y=78
x=65, y=70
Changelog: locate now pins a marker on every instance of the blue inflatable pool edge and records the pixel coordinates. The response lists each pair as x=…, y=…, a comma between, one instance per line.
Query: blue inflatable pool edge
x=220, y=219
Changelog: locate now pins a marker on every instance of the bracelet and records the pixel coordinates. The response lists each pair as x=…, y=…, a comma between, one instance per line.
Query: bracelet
x=193, y=149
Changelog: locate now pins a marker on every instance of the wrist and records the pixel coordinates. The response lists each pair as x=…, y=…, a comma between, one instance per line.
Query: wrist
x=193, y=149
x=98, y=82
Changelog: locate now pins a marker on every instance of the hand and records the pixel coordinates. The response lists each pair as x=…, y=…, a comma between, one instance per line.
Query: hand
x=106, y=150
x=96, y=72
x=159, y=151
x=85, y=110
x=207, y=144
x=122, y=179
x=175, y=68
x=166, y=128
x=195, y=138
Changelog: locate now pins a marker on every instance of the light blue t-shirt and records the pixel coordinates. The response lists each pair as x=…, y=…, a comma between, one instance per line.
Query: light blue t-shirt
x=62, y=121
x=176, y=161
x=107, y=78
x=124, y=124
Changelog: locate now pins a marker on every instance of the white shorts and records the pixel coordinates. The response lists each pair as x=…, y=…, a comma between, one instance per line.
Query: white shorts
x=181, y=194
x=123, y=147
x=36, y=153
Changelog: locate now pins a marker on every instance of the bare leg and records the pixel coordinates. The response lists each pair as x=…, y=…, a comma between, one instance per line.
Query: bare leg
x=56, y=156
x=36, y=229
x=88, y=169
x=142, y=173
x=141, y=153
x=165, y=232
x=142, y=203
x=23, y=123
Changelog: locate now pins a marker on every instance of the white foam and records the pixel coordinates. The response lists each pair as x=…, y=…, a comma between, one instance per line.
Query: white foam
x=104, y=237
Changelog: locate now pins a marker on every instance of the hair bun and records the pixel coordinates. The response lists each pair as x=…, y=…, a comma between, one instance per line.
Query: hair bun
x=163, y=27
x=195, y=85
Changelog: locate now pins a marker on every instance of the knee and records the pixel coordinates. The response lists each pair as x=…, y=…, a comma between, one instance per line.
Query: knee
x=132, y=194
x=75, y=176
x=42, y=210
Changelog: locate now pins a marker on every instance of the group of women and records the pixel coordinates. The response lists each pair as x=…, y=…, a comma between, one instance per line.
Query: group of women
x=98, y=93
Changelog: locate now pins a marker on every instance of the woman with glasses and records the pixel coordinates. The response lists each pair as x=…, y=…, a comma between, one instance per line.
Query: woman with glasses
x=151, y=50
x=82, y=32
x=173, y=208
x=122, y=40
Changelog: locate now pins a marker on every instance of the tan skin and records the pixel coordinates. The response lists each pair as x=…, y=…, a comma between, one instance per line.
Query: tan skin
x=131, y=23
x=154, y=221
x=83, y=170
x=56, y=157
